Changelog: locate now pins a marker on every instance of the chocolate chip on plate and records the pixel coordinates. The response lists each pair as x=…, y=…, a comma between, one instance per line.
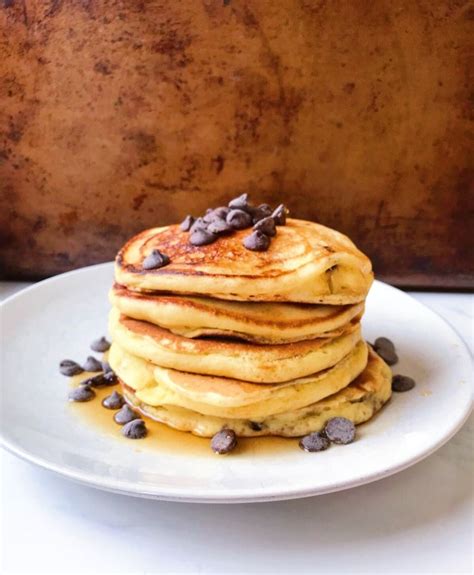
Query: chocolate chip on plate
x=279, y=215
x=266, y=226
x=135, y=429
x=155, y=260
x=402, y=383
x=340, y=430
x=238, y=219
x=186, y=224
x=92, y=364
x=385, y=343
x=314, y=442
x=390, y=357
x=81, y=394
x=257, y=241
x=100, y=345
x=201, y=237
x=113, y=401
x=219, y=227
x=260, y=212
x=224, y=441
x=125, y=415
x=68, y=367
x=240, y=203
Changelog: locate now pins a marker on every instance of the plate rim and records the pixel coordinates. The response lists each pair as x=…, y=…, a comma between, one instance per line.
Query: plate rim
x=236, y=496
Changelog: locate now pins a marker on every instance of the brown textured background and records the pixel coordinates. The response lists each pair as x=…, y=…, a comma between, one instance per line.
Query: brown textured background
x=120, y=115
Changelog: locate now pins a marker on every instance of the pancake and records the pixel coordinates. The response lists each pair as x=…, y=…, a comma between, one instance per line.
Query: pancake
x=358, y=402
x=244, y=361
x=255, y=322
x=231, y=398
x=306, y=262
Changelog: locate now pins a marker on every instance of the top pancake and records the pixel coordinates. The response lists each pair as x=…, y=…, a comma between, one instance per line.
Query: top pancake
x=306, y=262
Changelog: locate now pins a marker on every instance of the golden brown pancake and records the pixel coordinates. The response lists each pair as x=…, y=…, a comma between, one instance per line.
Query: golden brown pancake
x=250, y=321
x=239, y=360
x=306, y=262
x=232, y=398
x=358, y=402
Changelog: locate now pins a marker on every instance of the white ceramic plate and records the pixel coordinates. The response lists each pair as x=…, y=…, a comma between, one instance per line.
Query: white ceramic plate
x=59, y=317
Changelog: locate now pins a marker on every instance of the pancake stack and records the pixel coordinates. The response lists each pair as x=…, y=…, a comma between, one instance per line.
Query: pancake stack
x=251, y=330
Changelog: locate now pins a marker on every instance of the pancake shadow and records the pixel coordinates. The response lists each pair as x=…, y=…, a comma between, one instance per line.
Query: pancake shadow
x=278, y=532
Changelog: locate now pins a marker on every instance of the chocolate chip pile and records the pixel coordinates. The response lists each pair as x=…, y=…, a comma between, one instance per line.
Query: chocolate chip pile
x=133, y=425
x=239, y=214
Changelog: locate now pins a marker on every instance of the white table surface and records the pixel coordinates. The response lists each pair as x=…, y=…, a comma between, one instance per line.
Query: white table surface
x=418, y=521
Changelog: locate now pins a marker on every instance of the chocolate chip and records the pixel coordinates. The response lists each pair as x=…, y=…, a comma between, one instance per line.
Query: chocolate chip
x=314, y=442
x=69, y=368
x=101, y=380
x=186, y=223
x=125, y=415
x=209, y=217
x=219, y=227
x=385, y=343
x=106, y=366
x=92, y=364
x=100, y=345
x=199, y=224
x=402, y=383
x=135, y=429
x=224, y=441
x=385, y=348
x=155, y=260
x=266, y=226
x=257, y=242
x=340, y=430
x=221, y=212
x=255, y=426
x=113, y=401
x=81, y=394
x=389, y=356
x=238, y=219
x=279, y=215
x=260, y=212
x=201, y=238
x=240, y=203
x=110, y=378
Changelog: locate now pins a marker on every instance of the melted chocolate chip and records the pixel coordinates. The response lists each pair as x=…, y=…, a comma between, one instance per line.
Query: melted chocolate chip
x=125, y=415
x=266, y=226
x=238, y=219
x=279, y=215
x=92, y=364
x=224, y=441
x=100, y=345
x=81, y=394
x=201, y=237
x=113, y=401
x=186, y=223
x=402, y=383
x=68, y=367
x=340, y=430
x=257, y=241
x=135, y=429
x=314, y=442
x=255, y=426
x=240, y=203
x=155, y=260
